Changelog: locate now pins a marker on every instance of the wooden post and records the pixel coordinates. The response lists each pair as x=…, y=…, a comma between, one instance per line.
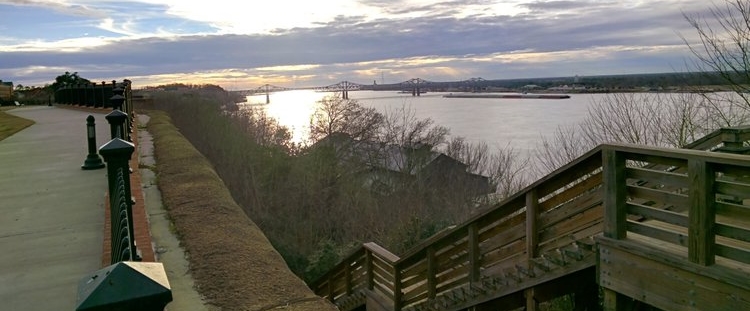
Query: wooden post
x=614, y=194
x=613, y=301
x=702, y=214
x=330, y=289
x=532, y=237
x=532, y=205
x=734, y=139
x=396, y=288
x=370, y=274
x=431, y=277
x=474, y=263
x=531, y=303
x=348, y=279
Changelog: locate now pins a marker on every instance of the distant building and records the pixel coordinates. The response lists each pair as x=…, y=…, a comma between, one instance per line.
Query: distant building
x=6, y=90
x=385, y=165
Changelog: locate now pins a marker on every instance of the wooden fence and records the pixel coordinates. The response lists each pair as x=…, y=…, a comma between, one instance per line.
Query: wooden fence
x=545, y=232
x=691, y=218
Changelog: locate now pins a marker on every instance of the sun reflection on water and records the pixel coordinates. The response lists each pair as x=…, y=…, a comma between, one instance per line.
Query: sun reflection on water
x=292, y=109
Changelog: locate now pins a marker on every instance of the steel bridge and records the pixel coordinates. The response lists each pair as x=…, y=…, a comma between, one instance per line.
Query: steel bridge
x=415, y=86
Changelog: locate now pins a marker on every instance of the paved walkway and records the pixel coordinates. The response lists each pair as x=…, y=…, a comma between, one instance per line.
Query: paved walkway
x=51, y=211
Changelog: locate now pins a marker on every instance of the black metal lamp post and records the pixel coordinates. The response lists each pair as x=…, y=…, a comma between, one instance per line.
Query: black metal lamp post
x=93, y=161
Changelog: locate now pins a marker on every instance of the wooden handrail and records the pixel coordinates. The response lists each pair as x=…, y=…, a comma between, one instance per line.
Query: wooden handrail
x=566, y=202
x=689, y=224
x=468, y=234
x=723, y=136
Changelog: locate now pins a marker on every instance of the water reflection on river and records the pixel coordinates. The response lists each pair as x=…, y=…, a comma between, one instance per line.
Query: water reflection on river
x=519, y=123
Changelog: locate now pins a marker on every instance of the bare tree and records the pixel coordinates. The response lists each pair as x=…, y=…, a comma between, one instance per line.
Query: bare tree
x=402, y=127
x=338, y=115
x=724, y=47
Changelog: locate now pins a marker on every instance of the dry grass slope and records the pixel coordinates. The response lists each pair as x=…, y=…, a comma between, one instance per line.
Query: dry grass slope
x=10, y=124
x=234, y=264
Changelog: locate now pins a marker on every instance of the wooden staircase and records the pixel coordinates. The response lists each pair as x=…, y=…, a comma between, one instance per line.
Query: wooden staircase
x=543, y=242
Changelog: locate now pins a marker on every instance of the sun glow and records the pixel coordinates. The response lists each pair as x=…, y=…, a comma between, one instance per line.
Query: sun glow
x=294, y=116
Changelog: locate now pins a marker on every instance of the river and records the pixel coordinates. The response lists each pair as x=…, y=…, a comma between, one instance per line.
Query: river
x=519, y=123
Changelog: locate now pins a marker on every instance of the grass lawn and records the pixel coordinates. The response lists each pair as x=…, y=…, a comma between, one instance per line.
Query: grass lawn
x=10, y=124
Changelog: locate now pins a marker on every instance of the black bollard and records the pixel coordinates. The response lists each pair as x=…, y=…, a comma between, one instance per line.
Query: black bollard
x=93, y=161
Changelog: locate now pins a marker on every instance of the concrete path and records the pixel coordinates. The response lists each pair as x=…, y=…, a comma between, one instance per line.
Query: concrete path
x=51, y=211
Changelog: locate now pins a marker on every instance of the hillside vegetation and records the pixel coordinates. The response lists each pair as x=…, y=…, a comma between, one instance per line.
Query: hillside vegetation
x=312, y=206
x=232, y=261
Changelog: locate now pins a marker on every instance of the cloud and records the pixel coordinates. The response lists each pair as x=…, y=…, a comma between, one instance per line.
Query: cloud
x=400, y=39
x=61, y=6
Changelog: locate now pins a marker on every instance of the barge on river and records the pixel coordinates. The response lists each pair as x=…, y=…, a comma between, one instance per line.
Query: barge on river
x=535, y=96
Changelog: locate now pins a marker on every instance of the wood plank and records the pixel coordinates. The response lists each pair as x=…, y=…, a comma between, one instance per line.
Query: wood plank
x=658, y=214
x=456, y=279
x=726, y=271
x=732, y=232
x=734, y=213
x=733, y=253
x=658, y=233
x=702, y=216
x=459, y=273
x=416, y=268
x=614, y=193
x=381, y=252
x=572, y=224
x=419, y=291
x=666, y=286
x=733, y=188
x=592, y=182
x=736, y=170
x=381, y=271
x=659, y=196
x=503, y=239
x=657, y=177
x=567, y=174
x=452, y=253
x=708, y=142
x=593, y=229
x=578, y=205
x=384, y=290
x=680, y=154
x=407, y=282
x=444, y=262
x=656, y=157
x=499, y=255
x=510, y=224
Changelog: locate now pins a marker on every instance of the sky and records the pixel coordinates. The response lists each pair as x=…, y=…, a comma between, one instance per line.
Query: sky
x=298, y=43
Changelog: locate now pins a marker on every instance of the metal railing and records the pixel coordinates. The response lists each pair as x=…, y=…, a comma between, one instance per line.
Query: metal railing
x=116, y=154
x=127, y=283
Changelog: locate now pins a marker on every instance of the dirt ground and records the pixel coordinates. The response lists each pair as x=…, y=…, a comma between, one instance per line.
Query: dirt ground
x=233, y=263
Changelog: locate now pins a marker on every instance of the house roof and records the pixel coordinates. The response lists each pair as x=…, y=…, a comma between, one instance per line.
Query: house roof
x=403, y=159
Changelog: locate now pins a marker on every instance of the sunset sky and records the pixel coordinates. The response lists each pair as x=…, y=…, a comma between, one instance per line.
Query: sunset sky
x=245, y=44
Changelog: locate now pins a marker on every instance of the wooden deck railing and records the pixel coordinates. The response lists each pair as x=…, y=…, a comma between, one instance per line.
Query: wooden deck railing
x=693, y=218
x=533, y=230
x=728, y=140
x=552, y=213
